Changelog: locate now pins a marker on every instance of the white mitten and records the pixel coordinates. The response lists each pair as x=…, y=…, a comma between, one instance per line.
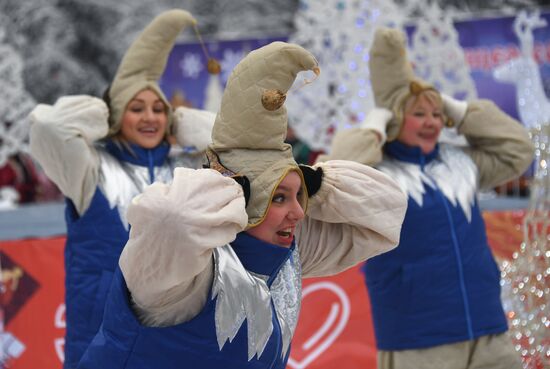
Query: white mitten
x=454, y=109
x=175, y=228
x=200, y=209
x=193, y=127
x=87, y=115
x=377, y=120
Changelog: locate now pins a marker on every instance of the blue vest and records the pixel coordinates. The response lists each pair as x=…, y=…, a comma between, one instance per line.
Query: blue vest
x=441, y=284
x=95, y=239
x=247, y=323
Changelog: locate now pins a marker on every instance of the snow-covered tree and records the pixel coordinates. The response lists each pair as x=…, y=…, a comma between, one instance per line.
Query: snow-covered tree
x=15, y=102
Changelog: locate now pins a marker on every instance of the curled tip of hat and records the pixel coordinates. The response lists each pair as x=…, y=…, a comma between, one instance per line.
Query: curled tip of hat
x=252, y=113
x=145, y=60
x=251, y=126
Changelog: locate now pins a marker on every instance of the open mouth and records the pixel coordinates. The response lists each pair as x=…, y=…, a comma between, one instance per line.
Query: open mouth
x=428, y=136
x=286, y=233
x=148, y=130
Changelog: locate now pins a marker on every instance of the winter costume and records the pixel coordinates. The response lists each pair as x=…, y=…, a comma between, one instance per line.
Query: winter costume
x=99, y=175
x=447, y=274
x=262, y=156
x=193, y=287
x=144, y=62
x=441, y=284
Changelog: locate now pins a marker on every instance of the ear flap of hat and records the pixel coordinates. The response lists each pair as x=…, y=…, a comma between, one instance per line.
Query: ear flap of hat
x=145, y=60
x=392, y=76
x=251, y=126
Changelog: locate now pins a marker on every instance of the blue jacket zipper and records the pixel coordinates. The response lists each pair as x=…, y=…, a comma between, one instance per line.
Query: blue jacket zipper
x=456, y=250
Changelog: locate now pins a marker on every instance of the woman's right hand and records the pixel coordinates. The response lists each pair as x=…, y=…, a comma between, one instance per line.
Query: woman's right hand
x=201, y=207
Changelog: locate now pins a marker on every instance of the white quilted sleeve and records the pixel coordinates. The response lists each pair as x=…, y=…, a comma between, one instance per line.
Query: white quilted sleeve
x=356, y=214
x=61, y=140
x=174, y=229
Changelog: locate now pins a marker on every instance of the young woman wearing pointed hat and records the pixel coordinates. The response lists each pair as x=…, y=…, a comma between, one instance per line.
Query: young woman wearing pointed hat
x=211, y=275
x=100, y=156
x=436, y=297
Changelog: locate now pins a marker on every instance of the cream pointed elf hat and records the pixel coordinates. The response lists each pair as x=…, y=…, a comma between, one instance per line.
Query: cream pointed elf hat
x=250, y=128
x=392, y=77
x=144, y=63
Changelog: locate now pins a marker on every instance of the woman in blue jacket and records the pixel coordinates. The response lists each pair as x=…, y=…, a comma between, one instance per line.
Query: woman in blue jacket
x=101, y=153
x=211, y=275
x=436, y=297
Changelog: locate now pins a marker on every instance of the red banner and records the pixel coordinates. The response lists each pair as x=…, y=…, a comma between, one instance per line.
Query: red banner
x=34, y=313
x=334, y=330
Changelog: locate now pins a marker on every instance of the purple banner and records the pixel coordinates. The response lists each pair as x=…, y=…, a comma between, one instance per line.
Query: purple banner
x=186, y=72
x=487, y=43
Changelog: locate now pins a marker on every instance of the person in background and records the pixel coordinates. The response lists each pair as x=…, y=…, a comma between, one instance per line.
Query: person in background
x=103, y=152
x=211, y=275
x=24, y=179
x=436, y=297
x=300, y=150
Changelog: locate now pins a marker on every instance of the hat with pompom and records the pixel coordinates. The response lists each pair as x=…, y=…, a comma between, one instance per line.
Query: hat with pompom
x=251, y=125
x=392, y=77
x=144, y=63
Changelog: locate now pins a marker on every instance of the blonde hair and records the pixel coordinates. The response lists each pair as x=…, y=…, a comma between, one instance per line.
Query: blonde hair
x=430, y=95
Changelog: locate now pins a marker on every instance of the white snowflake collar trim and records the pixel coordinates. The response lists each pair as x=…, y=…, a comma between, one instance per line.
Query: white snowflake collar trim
x=450, y=170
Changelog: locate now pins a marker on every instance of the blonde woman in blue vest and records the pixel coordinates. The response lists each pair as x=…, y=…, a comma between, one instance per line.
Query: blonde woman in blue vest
x=101, y=153
x=436, y=297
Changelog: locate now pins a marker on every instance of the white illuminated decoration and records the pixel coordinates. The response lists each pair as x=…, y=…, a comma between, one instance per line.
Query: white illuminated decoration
x=339, y=33
x=437, y=56
x=15, y=102
x=525, y=279
x=532, y=104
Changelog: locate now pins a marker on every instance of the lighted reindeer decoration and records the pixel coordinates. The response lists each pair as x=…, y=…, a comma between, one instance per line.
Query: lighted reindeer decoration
x=532, y=104
x=525, y=278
